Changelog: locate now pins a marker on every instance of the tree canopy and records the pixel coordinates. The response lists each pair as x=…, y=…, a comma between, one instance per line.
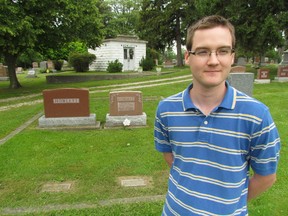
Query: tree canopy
x=42, y=24
x=259, y=23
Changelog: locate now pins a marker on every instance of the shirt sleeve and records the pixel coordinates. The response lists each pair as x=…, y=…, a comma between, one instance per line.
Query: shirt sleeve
x=265, y=146
x=161, y=135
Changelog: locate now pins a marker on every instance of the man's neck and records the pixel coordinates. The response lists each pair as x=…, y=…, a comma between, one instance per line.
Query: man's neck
x=206, y=99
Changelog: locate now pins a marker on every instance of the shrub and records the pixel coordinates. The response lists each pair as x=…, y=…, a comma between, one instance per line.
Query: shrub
x=80, y=61
x=114, y=66
x=58, y=64
x=147, y=64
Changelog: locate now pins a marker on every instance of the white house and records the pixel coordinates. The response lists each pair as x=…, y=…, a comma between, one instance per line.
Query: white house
x=129, y=50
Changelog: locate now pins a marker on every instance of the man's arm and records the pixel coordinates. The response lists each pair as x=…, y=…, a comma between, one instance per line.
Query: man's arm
x=258, y=184
x=168, y=157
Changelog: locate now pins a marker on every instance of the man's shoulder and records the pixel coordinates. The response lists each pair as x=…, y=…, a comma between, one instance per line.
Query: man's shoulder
x=249, y=103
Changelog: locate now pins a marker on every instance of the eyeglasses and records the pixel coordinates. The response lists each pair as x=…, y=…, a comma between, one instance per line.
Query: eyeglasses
x=204, y=53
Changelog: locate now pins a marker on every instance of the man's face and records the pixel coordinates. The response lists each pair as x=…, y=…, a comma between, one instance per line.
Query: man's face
x=212, y=70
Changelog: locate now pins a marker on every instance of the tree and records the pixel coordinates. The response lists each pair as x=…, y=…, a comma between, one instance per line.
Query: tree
x=120, y=16
x=42, y=24
x=163, y=22
x=259, y=23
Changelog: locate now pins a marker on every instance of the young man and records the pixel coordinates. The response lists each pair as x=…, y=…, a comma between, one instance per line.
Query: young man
x=212, y=134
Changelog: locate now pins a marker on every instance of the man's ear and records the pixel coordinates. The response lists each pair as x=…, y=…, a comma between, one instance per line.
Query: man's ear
x=233, y=58
x=186, y=56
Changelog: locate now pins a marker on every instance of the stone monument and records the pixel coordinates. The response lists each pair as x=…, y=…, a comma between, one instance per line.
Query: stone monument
x=126, y=109
x=31, y=73
x=282, y=74
x=242, y=81
x=238, y=69
x=4, y=73
x=67, y=107
x=263, y=76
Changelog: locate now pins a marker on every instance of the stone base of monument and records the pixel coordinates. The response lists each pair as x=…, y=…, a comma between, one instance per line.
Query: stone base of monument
x=69, y=122
x=4, y=78
x=242, y=81
x=281, y=79
x=262, y=81
x=126, y=121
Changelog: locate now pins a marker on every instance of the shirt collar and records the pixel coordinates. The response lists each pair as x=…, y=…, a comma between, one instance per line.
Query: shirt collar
x=228, y=101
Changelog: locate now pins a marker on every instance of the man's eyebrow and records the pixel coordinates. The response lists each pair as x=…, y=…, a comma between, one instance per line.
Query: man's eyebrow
x=202, y=47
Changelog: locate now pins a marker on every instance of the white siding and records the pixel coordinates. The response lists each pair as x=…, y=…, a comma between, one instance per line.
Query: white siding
x=112, y=49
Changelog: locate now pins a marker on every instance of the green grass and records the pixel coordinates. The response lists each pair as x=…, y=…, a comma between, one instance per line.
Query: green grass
x=94, y=159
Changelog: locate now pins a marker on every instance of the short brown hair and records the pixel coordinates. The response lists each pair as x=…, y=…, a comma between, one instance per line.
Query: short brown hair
x=207, y=23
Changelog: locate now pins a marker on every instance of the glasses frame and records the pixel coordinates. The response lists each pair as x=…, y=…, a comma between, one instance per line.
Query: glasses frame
x=211, y=51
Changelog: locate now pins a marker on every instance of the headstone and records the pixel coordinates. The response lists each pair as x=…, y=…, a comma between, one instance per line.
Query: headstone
x=56, y=187
x=241, y=61
x=238, y=69
x=43, y=65
x=168, y=64
x=66, y=102
x=263, y=76
x=19, y=70
x=126, y=109
x=31, y=73
x=125, y=103
x=35, y=65
x=282, y=74
x=4, y=73
x=50, y=65
x=284, y=58
x=67, y=107
x=135, y=181
x=242, y=81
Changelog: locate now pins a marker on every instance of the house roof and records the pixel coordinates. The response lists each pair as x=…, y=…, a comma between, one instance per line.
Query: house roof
x=126, y=38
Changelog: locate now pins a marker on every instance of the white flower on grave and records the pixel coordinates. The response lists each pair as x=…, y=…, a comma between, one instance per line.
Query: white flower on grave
x=126, y=122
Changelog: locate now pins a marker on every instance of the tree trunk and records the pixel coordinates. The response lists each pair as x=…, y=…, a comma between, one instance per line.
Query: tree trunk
x=178, y=42
x=10, y=60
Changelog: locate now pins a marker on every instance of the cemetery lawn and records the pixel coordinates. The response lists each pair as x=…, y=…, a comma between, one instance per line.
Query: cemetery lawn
x=93, y=160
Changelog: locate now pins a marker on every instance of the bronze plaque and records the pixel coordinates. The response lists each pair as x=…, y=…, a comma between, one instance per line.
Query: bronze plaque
x=126, y=103
x=66, y=102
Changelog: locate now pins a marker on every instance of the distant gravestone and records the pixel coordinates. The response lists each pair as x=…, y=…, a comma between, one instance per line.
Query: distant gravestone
x=4, y=73
x=43, y=65
x=238, y=69
x=67, y=107
x=50, y=65
x=241, y=61
x=284, y=60
x=282, y=74
x=242, y=81
x=126, y=108
x=19, y=70
x=263, y=76
x=31, y=73
x=35, y=65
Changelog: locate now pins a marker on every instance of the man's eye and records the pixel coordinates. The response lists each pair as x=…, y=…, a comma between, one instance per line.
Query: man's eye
x=223, y=51
x=202, y=52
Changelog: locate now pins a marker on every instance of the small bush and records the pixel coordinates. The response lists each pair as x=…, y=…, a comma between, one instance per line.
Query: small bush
x=58, y=64
x=114, y=66
x=80, y=61
x=147, y=64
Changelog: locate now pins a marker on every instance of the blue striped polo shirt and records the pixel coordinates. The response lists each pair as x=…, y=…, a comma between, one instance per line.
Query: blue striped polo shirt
x=213, y=154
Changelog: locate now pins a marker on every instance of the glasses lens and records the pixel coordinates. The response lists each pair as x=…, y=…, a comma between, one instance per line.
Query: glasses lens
x=224, y=51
